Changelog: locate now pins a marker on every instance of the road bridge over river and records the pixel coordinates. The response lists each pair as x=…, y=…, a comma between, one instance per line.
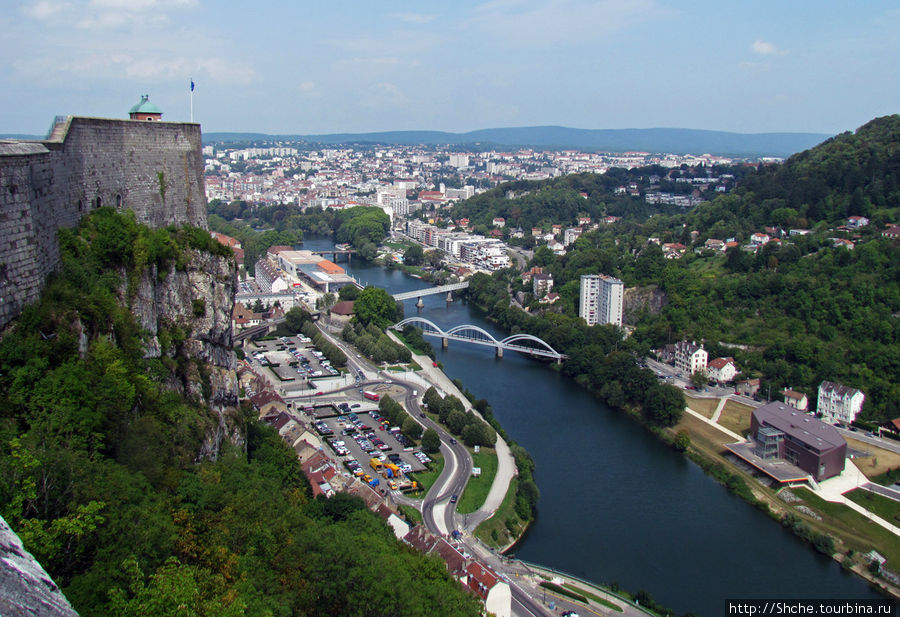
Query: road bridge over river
x=478, y=336
x=431, y=291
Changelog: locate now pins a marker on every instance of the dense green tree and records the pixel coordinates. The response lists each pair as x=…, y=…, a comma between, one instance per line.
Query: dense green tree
x=411, y=428
x=348, y=292
x=431, y=441
x=434, y=258
x=698, y=379
x=375, y=305
x=682, y=441
x=664, y=405
x=414, y=255
x=456, y=421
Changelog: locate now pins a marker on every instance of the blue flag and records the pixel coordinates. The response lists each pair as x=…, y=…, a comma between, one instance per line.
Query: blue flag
x=192, y=85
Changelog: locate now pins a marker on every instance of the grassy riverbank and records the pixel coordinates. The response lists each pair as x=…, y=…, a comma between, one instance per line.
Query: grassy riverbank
x=478, y=487
x=815, y=520
x=505, y=528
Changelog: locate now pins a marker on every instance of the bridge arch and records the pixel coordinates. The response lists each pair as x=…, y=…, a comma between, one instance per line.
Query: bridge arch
x=529, y=337
x=470, y=328
x=479, y=336
x=431, y=326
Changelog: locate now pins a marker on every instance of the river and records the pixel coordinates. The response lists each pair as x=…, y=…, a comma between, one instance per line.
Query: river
x=617, y=505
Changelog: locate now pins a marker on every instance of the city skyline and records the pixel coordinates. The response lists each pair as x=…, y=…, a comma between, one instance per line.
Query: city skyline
x=293, y=69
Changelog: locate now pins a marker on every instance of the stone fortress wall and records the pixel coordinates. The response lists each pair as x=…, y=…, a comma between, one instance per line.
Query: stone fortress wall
x=152, y=168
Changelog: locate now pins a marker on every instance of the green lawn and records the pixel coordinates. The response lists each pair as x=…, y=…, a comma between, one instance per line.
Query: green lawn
x=594, y=597
x=708, y=266
x=427, y=478
x=886, y=508
x=478, y=488
x=411, y=514
x=860, y=533
x=494, y=531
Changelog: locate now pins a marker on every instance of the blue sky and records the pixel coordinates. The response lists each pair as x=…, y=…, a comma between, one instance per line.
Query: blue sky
x=357, y=66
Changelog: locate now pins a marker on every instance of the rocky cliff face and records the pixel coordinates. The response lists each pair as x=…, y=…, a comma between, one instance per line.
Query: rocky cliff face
x=638, y=300
x=25, y=587
x=187, y=317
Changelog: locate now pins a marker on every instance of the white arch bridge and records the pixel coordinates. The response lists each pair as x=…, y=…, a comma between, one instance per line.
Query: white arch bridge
x=474, y=334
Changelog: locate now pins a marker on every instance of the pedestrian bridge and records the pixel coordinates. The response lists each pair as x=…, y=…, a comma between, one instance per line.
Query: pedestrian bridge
x=473, y=334
x=431, y=291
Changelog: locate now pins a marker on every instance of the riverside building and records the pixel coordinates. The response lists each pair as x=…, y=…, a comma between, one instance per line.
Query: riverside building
x=601, y=299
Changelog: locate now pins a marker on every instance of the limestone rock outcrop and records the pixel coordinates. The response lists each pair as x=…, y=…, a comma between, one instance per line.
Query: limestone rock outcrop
x=186, y=315
x=25, y=587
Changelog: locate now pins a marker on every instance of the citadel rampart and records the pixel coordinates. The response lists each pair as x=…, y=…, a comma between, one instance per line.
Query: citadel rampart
x=152, y=168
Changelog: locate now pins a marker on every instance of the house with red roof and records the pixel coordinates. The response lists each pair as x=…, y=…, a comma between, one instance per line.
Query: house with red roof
x=892, y=232
x=242, y=317
x=797, y=400
x=493, y=590
x=721, y=369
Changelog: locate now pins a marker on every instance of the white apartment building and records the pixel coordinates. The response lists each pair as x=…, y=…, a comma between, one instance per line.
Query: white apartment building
x=571, y=234
x=601, y=299
x=541, y=284
x=690, y=358
x=463, y=193
x=839, y=403
x=459, y=160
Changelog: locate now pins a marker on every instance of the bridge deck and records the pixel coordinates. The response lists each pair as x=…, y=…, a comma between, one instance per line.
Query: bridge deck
x=430, y=291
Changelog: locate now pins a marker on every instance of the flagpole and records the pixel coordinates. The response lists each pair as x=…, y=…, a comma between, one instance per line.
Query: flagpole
x=192, y=101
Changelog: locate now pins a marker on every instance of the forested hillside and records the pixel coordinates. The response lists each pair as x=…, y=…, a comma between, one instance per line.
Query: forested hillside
x=850, y=174
x=795, y=311
x=531, y=203
x=101, y=472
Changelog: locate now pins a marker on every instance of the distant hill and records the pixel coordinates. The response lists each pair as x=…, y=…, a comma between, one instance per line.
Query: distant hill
x=854, y=173
x=677, y=141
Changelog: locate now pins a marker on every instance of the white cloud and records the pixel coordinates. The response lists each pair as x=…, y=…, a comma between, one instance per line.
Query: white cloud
x=414, y=18
x=137, y=6
x=114, y=14
x=45, y=9
x=542, y=24
x=310, y=89
x=764, y=48
x=384, y=94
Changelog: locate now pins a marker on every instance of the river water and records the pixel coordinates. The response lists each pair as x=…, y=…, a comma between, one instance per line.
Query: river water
x=617, y=505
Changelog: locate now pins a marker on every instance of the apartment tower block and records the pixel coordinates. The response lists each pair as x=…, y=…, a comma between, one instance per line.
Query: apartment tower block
x=601, y=299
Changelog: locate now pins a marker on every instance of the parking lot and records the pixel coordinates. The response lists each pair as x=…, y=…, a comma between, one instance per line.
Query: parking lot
x=358, y=438
x=291, y=358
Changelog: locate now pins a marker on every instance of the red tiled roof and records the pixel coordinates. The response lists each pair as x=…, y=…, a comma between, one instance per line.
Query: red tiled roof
x=481, y=580
x=344, y=307
x=793, y=395
x=720, y=363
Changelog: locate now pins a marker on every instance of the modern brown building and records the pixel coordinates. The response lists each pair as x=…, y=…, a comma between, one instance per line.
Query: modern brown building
x=782, y=432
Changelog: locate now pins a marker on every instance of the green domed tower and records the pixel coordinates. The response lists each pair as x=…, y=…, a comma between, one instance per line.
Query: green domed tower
x=145, y=110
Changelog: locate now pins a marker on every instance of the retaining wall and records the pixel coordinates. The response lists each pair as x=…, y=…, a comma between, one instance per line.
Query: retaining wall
x=152, y=168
